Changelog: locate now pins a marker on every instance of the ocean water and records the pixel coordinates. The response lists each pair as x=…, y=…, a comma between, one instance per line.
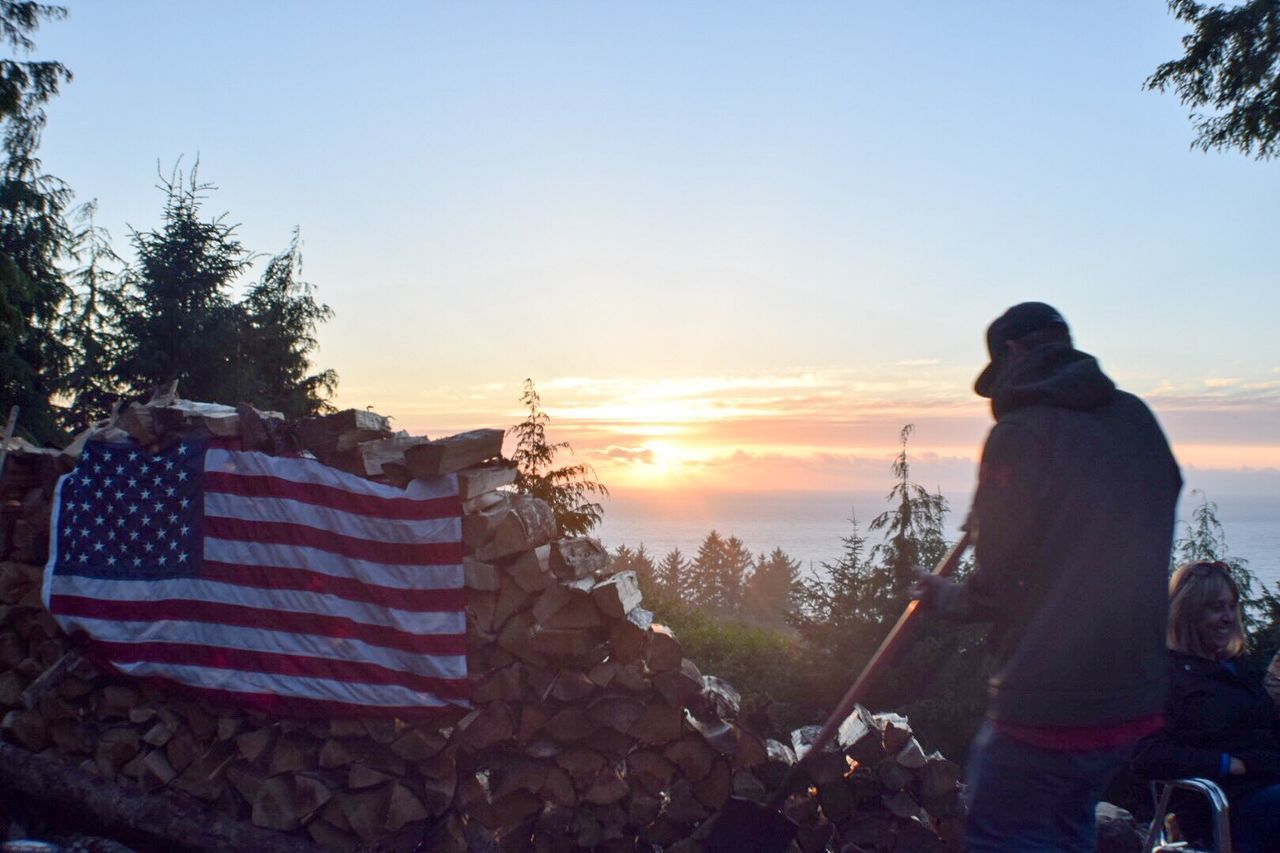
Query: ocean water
x=808, y=526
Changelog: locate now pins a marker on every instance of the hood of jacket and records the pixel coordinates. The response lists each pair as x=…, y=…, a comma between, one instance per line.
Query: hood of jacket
x=1053, y=375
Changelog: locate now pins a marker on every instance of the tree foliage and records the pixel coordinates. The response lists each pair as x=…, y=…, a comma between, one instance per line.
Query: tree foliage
x=33, y=229
x=913, y=536
x=570, y=490
x=1231, y=65
x=281, y=315
x=86, y=326
x=670, y=576
x=770, y=596
x=718, y=574
x=177, y=317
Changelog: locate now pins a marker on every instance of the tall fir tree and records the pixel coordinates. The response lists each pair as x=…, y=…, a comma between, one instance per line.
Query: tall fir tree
x=705, y=572
x=769, y=598
x=642, y=564
x=33, y=229
x=87, y=322
x=570, y=490
x=670, y=576
x=281, y=316
x=913, y=534
x=738, y=565
x=177, y=318
x=718, y=574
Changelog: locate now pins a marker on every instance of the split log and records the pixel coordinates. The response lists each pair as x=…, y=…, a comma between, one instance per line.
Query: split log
x=453, y=453
x=617, y=596
x=563, y=607
x=531, y=571
x=629, y=636
x=578, y=557
x=570, y=644
x=473, y=482
x=320, y=435
x=483, y=577
x=658, y=724
x=368, y=456
x=513, y=524
x=663, y=652
x=678, y=686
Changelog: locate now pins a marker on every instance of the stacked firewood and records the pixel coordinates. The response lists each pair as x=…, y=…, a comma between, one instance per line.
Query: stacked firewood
x=26, y=493
x=589, y=728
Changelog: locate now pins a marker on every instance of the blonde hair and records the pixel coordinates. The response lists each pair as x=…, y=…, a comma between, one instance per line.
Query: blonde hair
x=1192, y=588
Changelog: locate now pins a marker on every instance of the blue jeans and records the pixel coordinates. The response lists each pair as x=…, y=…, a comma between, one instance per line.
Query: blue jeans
x=1024, y=799
x=1255, y=821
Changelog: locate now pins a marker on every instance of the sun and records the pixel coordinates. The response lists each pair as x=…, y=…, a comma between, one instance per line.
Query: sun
x=654, y=465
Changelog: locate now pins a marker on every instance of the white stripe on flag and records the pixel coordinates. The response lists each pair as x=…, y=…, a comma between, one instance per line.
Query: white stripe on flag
x=215, y=635
x=243, y=681
x=372, y=528
x=317, y=560
x=288, y=600
x=309, y=471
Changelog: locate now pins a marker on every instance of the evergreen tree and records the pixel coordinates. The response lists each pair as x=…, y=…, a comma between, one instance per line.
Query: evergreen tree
x=177, y=318
x=621, y=559
x=738, y=564
x=642, y=565
x=670, y=576
x=913, y=533
x=86, y=327
x=281, y=316
x=839, y=615
x=770, y=595
x=718, y=574
x=569, y=489
x=1231, y=65
x=33, y=229
x=703, y=585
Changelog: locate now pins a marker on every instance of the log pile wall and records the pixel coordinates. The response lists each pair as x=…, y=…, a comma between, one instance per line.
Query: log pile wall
x=590, y=729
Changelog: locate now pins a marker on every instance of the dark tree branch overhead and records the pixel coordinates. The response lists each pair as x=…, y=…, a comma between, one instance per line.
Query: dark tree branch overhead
x=1232, y=67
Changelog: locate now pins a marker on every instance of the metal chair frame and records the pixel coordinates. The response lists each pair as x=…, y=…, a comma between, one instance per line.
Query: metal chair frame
x=1162, y=790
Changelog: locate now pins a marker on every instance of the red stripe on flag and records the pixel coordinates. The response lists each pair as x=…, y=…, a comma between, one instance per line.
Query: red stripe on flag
x=298, y=666
x=264, y=486
x=300, y=707
x=276, y=577
x=185, y=610
x=284, y=533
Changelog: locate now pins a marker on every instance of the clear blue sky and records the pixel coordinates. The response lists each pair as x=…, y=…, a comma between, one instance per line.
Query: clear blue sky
x=627, y=192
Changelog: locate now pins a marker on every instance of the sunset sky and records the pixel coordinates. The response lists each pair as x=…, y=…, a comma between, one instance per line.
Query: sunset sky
x=737, y=245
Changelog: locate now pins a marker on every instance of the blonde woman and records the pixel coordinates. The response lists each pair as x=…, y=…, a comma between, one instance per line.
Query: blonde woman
x=1219, y=722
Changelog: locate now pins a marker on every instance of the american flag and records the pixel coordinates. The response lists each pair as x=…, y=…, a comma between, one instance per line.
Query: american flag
x=272, y=582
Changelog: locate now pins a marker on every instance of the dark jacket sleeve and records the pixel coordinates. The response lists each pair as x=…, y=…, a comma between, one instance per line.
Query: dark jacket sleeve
x=1160, y=756
x=1005, y=520
x=1207, y=716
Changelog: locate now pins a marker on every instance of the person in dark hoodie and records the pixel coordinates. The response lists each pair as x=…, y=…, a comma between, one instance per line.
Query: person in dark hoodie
x=1073, y=523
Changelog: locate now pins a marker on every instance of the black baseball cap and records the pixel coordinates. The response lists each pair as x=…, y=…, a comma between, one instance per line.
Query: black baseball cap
x=1019, y=321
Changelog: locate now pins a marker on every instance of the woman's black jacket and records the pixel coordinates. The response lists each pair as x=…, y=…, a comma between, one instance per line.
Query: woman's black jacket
x=1212, y=710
